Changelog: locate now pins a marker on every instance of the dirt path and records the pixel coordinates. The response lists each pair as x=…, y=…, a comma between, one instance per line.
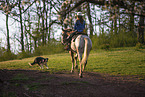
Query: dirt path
x=29, y=83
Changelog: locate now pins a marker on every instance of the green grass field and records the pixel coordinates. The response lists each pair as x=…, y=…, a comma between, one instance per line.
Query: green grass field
x=122, y=61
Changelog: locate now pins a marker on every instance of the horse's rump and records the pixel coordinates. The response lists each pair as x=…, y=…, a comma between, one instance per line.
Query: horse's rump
x=78, y=41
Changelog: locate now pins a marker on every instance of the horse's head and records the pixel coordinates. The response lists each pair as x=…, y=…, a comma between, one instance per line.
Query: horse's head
x=65, y=34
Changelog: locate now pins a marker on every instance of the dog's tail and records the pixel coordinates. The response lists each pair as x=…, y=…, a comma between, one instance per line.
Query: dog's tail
x=30, y=64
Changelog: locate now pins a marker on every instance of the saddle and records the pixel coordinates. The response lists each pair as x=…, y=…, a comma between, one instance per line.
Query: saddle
x=77, y=34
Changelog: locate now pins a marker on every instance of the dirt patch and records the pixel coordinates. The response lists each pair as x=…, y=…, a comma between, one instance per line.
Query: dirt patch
x=30, y=83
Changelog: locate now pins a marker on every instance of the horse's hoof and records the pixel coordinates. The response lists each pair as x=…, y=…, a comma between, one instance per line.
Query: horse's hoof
x=80, y=75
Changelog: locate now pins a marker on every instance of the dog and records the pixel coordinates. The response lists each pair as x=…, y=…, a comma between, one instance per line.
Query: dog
x=40, y=61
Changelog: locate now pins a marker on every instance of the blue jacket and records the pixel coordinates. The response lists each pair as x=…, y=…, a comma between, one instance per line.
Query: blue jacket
x=79, y=26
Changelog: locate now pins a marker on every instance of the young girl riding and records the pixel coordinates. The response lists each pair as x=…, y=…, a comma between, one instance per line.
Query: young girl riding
x=78, y=27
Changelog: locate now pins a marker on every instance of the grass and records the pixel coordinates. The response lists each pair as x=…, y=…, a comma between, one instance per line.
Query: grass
x=20, y=77
x=9, y=94
x=74, y=82
x=122, y=61
x=33, y=86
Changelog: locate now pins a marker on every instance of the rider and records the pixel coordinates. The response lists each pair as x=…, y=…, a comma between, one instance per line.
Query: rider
x=79, y=29
x=80, y=23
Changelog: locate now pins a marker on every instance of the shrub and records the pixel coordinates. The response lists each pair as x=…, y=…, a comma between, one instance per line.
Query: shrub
x=121, y=39
x=139, y=46
x=24, y=55
x=105, y=46
x=6, y=55
x=50, y=48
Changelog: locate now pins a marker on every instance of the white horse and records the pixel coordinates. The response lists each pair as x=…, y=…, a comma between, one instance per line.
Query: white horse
x=81, y=45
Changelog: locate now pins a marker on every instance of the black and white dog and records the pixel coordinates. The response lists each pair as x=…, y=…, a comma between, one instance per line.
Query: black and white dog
x=40, y=61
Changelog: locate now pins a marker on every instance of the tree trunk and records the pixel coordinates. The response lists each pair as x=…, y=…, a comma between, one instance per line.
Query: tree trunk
x=90, y=20
x=140, y=35
x=46, y=23
x=50, y=8
x=7, y=28
x=30, y=38
x=8, y=40
x=133, y=33
x=115, y=22
x=43, y=24
x=21, y=24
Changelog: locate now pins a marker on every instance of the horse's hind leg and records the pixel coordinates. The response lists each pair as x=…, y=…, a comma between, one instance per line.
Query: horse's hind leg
x=84, y=66
x=76, y=65
x=72, y=59
x=80, y=62
x=80, y=74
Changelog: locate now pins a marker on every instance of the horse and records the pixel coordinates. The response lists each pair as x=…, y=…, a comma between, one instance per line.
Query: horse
x=81, y=45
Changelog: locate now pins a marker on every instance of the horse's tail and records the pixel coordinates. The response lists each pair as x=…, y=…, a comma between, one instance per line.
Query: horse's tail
x=84, y=60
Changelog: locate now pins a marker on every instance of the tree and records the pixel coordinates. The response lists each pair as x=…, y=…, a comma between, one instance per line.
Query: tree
x=21, y=25
x=90, y=20
x=20, y=4
x=141, y=25
x=6, y=7
x=7, y=26
x=141, y=30
x=132, y=7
